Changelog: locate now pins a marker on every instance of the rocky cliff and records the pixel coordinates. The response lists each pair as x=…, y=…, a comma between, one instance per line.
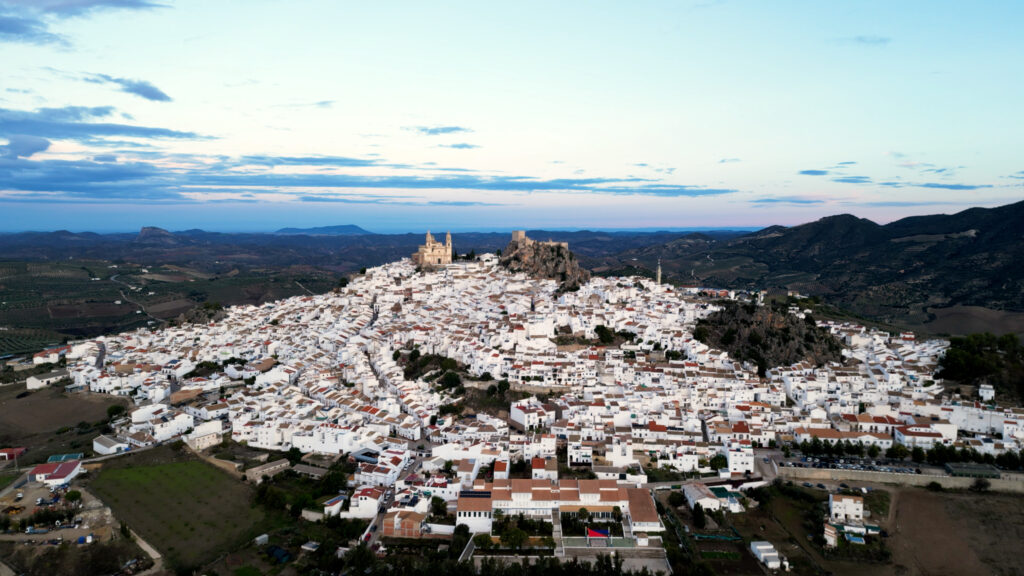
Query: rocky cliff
x=767, y=336
x=545, y=260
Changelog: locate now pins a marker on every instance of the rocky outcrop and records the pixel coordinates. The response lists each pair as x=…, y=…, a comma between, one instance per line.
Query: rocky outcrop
x=545, y=260
x=767, y=336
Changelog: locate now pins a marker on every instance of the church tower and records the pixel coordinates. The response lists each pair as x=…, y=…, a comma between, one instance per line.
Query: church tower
x=659, y=272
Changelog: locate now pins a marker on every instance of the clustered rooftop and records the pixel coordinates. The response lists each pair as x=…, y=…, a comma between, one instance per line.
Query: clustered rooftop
x=320, y=375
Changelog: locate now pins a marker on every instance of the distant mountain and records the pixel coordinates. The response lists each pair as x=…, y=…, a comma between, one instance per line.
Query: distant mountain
x=906, y=272
x=341, y=230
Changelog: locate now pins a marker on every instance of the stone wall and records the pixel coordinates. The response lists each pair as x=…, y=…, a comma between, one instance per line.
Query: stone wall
x=1008, y=483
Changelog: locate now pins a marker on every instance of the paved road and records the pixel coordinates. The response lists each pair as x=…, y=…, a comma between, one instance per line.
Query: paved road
x=127, y=299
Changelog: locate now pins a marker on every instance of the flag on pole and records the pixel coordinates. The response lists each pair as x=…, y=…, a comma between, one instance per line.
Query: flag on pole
x=594, y=533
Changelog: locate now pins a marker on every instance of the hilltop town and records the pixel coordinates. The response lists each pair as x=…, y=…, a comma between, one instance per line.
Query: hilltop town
x=569, y=407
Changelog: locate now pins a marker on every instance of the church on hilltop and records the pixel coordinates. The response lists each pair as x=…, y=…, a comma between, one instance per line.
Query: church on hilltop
x=433, y=253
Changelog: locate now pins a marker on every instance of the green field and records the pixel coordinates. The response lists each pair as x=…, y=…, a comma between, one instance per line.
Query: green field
x=191, y=511
x=43, y=303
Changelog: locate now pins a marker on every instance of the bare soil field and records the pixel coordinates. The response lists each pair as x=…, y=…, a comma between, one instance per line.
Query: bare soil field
x=969, y=319
x=940, y=533
x=171, y=308
x=993, y=526
x=89, y=310
x=33, y=421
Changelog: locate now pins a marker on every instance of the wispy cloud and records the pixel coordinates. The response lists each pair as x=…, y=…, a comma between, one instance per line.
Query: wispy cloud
x=22, y=28
x=68, y=8
x=176, y=177
x=22, y=146
x=853, y=180
x=813, y=172
x=140, y=88
x=25, y=21
x=728, y=160
x=868, y=40
x=846, y=163
x=459, y=146
x=74, y=123
x=438, y=130
x=944, y=186
x=798, y=200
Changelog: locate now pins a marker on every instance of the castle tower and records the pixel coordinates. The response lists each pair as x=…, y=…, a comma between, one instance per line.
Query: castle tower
x=658, y=280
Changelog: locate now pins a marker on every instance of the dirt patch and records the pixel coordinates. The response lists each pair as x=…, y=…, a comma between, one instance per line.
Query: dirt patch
x=172, y=308
x=961, y=320
x=165, y=277
x=926, y=541
x=993, y=526
x=33, y=421
x=89, y=310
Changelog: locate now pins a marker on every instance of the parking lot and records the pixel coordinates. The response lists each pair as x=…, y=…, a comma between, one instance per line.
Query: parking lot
x=855, y=463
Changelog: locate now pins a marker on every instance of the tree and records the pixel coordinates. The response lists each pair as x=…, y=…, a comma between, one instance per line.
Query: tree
x=719, y=462
x=73, y=496
x=699, y=520
x=897, y=452
x=917, y=454
x=604, y=334
x=483, y=541
x=513, y=537
x=583, y=515
x=980, y=485
x=438, y=507
x=450, y=380
x=874, y=451
x=676, y=499
x=115, y=411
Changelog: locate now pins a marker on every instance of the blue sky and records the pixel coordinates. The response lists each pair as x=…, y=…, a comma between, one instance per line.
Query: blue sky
x=254, y=115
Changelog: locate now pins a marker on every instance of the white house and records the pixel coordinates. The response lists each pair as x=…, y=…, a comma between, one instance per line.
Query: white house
x=475, y=512
x=56, y=473
x=104, y=445
x=845, y=508
x=44, y=380
x=697, y=493
x=740, y=456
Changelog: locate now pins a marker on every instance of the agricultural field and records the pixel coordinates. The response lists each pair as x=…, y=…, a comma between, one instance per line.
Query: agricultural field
x=15, y=341
x=191, y=511
x=43, y=303
x=50, y=421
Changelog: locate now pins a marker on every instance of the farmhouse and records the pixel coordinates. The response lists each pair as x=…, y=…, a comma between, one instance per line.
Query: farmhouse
x=44, y=380
x=269, y=470
x=56, y=473
x=11, y=453
x=698, y=493
x=104, y=445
